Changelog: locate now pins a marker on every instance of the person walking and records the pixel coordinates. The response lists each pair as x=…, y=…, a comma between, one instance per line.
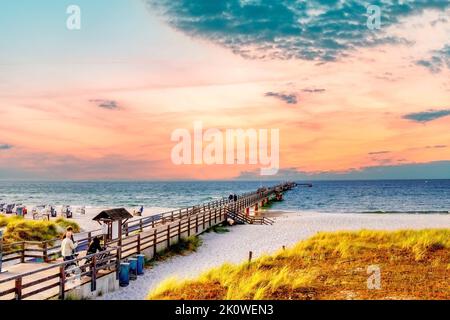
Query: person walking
x=68, y=245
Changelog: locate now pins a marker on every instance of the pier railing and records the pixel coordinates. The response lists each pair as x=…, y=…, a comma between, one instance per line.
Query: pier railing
x=149, y=235
x=50, y=250
x=37, y=284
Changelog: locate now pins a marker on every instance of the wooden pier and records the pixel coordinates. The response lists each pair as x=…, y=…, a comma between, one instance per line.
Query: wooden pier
x=27, y=279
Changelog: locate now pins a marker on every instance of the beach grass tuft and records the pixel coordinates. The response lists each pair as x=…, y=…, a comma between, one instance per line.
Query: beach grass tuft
x=413, y=264
x=20, y=229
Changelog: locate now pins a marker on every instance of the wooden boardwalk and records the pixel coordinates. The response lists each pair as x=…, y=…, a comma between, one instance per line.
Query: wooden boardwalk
x=48, y=279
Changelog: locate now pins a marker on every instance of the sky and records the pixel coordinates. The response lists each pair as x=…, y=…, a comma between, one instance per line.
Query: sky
x=101, y=102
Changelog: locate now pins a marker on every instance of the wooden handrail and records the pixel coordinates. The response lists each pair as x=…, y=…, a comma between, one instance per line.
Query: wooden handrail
x=55, y=265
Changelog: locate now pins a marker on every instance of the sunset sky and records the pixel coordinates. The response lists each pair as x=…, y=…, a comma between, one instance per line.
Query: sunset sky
x=101, y=102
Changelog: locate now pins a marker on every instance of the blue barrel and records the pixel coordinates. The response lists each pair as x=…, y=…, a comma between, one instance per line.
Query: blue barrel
x=124, y=274
x=140, y=264
x=133, y=268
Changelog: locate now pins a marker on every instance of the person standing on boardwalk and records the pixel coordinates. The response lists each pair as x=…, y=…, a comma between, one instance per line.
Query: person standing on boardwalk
x=68, y=245
x=94, y=246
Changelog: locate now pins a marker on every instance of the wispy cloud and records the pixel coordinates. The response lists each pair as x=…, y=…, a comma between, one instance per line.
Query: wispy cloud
x=289, y=98
x=378, y=152
x=438, y=60
x=285, y=29
x=5, y=146
x=427, y=116
x=105, y=104
x=313, y=90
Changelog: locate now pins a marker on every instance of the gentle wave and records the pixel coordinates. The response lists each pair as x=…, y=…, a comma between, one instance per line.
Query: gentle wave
x=382, y=197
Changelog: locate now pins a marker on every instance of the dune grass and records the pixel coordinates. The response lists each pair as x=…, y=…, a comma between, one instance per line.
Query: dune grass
x=20, y=229
x=413, y=265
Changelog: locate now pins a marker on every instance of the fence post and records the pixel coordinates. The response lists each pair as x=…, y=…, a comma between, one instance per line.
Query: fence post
x=138, y=245
x=119, y=254
x=179, y=230
x=22, y=256
x=89, y=237
x=250, y=255
x=94, y=273
x=62, y=282
x=18, y=289
x=168, y=236
x=126, y=229
x=210, y=218
x=189, y=226
x=45, y=252
x=196, y=224
x=154, y=242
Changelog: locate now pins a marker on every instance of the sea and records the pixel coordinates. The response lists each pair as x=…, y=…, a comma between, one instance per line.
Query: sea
x=382, y=196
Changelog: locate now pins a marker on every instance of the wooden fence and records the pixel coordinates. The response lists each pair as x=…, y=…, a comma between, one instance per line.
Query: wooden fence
x=53, y=280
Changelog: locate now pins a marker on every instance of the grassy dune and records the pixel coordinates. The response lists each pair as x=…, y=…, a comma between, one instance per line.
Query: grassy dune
x=20, y=229
x=413, y=265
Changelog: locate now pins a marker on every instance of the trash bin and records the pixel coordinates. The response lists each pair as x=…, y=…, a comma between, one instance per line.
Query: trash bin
x=124, y=274
x=133, y=268
x=140, y=264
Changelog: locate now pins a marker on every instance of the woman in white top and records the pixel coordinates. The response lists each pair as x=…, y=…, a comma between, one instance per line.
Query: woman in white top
x=68, y=245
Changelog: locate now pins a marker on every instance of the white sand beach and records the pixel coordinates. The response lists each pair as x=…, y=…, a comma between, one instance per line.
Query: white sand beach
x=288, y=229
x=85, y=220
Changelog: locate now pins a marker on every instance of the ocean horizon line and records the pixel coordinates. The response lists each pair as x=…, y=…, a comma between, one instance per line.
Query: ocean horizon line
x=218, y=180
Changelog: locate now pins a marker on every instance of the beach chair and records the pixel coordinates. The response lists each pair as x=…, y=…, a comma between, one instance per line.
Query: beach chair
x=40, y=213
x=10, y=208
x=81, y=210
x=21, y=210
x=138, y=212
x=51, y=211
x=66, y=212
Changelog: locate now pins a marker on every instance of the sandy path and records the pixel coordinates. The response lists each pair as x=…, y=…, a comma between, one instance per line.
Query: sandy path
x=288, y=229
